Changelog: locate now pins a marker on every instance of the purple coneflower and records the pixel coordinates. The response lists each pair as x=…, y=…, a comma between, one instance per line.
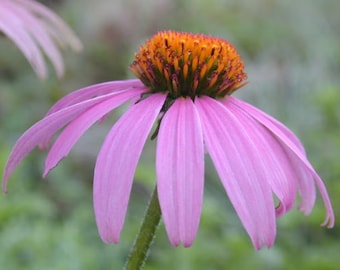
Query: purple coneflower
x=35, y=29
x=185, y=85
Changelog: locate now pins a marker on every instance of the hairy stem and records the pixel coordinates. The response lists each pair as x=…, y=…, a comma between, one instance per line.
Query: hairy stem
x=146, y=234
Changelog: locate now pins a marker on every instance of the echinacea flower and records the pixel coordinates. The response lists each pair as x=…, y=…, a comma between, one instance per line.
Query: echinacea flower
x=35, y=30
x=185, y=85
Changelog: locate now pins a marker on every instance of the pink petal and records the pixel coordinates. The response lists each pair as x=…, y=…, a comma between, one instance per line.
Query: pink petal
x=96, y=90
x=116, y=165
x=304, y=177
x=298, y=157
x=180, y=171
x=108, y=88
x=305, y=182
x=11, y=25
x=32, y=26
x=54, y=24
x=38, y=32
x=242, y=172
x=281, y=174
x=42, y=129
x=76, y=129
x=289, y=134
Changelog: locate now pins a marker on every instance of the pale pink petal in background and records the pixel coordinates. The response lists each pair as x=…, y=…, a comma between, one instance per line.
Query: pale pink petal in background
x=35, y=30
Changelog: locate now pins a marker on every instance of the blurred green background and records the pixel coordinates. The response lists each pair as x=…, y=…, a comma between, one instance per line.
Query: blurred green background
x=292, y=55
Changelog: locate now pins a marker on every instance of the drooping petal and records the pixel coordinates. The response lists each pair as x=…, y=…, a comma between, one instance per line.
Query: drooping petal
x=94, y=91
x=43, y=129
x=32, y=27
x=298, y=157
x=242, y=172
x=78, y=126
x=295, y=140
x=54, y=24
x=281, y=176
x=116, y=165
x=306, y=183
x=11, y=25
x=105, y=89
x=45, y=41
x=302, y=174
x=180, y=171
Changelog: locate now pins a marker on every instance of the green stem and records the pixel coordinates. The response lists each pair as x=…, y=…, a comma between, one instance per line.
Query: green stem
x=139, y=251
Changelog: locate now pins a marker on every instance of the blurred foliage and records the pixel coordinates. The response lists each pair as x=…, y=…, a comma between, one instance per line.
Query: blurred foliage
x=292, y=53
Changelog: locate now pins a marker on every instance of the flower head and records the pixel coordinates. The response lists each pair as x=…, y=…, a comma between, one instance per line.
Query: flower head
x=188, y=65
x=185, y=82
x=36, y=29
